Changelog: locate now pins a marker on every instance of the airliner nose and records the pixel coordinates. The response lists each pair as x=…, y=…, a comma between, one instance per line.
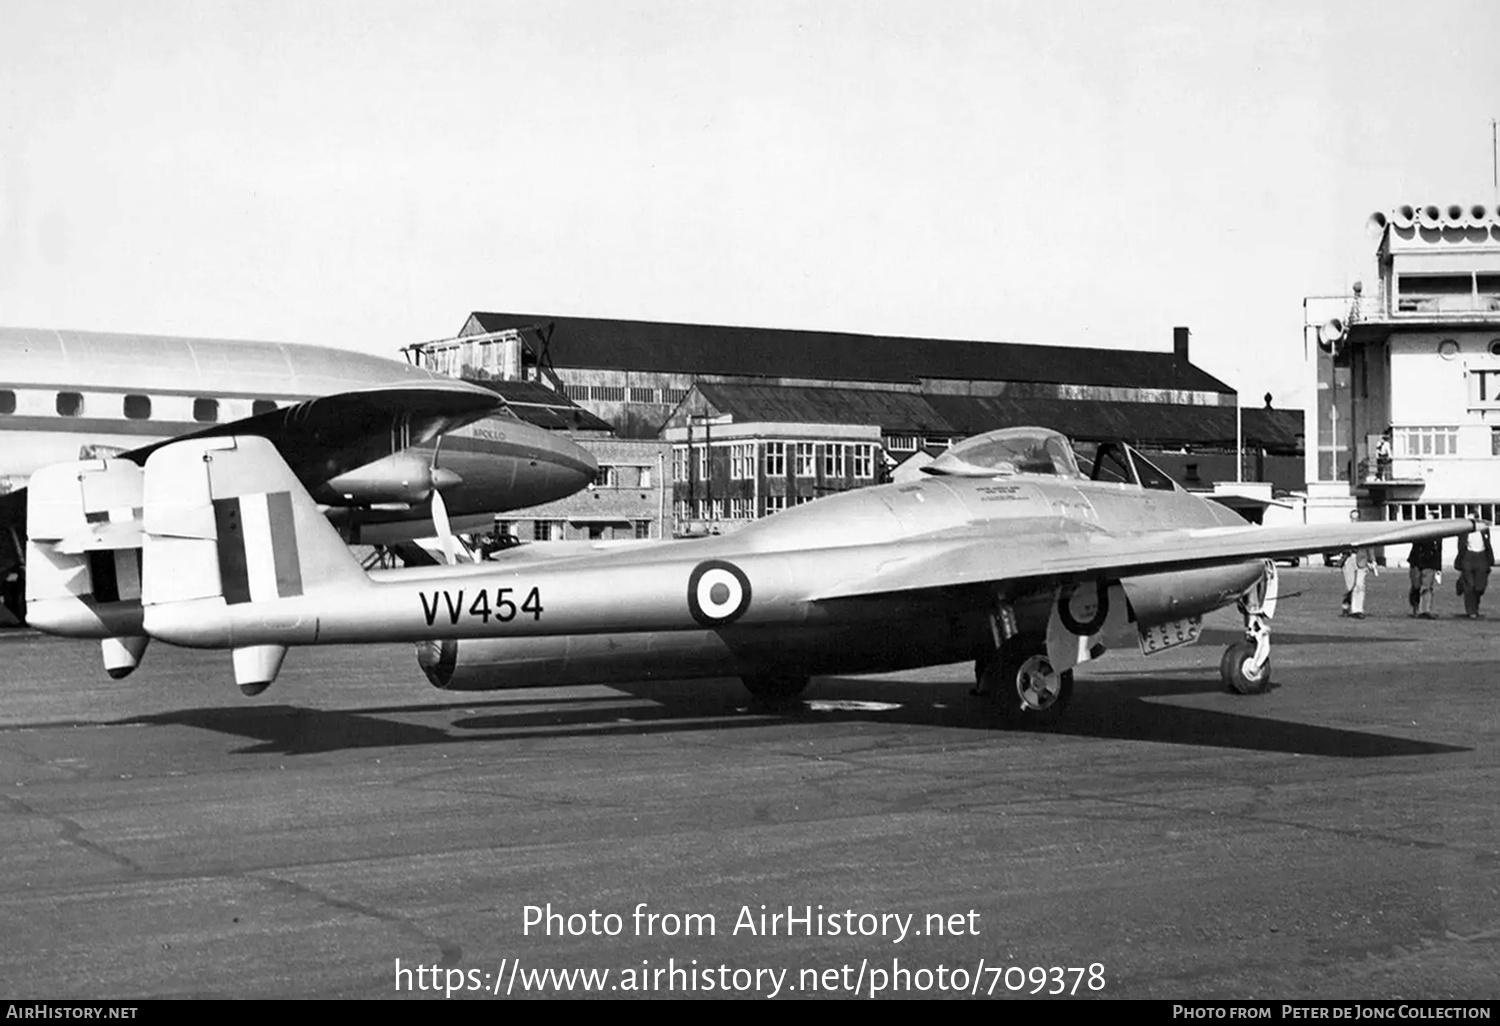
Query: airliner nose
x=576, y=466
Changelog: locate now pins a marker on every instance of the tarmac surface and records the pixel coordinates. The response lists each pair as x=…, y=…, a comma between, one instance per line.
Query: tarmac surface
x=1338, y=837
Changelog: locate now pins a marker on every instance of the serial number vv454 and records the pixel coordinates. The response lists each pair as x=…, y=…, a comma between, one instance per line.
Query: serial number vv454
x=483, y=604
x=1162, y=636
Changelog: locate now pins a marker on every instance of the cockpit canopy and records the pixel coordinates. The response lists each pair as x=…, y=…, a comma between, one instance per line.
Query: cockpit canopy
x=1034, y=450
x=1017, y=450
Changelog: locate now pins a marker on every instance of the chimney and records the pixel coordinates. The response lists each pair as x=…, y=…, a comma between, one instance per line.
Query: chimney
x=1180, y=343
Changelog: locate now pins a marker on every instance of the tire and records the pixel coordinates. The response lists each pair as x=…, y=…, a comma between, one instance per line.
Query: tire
x=773, y=689
x=1232, y=671
x=1016, y=680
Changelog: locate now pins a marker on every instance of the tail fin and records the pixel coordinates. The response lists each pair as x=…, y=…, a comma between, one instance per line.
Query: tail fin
x=233, y=540
x=83, y=556
x=226, y=518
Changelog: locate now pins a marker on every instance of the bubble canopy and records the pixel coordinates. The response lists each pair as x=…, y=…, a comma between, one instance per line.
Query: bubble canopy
x=1017, y=450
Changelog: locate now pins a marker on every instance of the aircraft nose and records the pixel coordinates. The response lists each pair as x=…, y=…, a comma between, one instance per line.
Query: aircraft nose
x=571, y=466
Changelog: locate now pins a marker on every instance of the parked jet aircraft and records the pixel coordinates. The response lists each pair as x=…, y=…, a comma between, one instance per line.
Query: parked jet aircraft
x=70, y=394
x=1007, y=555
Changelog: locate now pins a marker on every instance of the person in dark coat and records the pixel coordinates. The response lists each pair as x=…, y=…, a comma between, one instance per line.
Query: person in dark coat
x=1423, y=564
x=1475, y=557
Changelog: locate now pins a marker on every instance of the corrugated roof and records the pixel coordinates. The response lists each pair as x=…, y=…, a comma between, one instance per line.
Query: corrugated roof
x=893, y=411
x=774, y=352
x=1168, y=424
x=539, y=405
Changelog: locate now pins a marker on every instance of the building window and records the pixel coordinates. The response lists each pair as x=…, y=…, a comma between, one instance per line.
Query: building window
x=716, y=509
x=608, y=393
x=70, y=404
x=804, y=459
x=673, y=396
x=679, y=509
x=1425, y=441
x=937, y=442
x=1484, y=387
x=7, y=401
x=605, y=478
x=775, y=504
x=864, y=461
x=901, y=443
x=645, y=478
x=546, y=530
x=700, y=509
x=742, y=461
x=703, y=463
x=262, y=406
x=775, y=459
x=205, y=411
x=833, y=461
x=679, y=463
x=642, y=529
x=643, y=395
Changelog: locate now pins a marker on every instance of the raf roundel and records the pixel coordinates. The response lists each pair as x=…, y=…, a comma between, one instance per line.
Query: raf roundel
x=718, y=593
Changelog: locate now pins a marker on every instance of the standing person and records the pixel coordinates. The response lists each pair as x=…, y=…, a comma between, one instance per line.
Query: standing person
x=1423, y=564
x=1357, y=566
x=1473, y=562
x=1383, y=457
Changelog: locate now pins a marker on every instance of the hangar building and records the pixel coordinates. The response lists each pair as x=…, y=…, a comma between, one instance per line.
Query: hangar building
x=755, y=419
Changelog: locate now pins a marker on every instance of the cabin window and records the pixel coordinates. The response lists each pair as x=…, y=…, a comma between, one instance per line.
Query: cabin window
x=262, y=406
x=7, y=401
x=138, y=407
x=70, y=404
x=205, y=411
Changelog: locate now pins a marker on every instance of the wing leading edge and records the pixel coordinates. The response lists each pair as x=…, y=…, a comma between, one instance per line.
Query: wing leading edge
x=1082, y=557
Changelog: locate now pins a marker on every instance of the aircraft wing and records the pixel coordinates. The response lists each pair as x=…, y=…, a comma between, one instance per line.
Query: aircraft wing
x=1078, y=556
x=331, y=435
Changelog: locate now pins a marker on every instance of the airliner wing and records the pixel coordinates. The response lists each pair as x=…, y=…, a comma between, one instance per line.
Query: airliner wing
x=1073, y=557
x=325, y=437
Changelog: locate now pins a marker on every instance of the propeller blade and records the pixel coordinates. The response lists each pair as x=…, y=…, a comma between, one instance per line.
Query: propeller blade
x=444, y=527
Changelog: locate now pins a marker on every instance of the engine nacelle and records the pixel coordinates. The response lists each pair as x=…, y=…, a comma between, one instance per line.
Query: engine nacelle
x=483, y=664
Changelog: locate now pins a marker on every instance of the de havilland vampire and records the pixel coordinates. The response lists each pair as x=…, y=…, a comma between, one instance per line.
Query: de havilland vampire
x=1007, y=554
x=451, y=447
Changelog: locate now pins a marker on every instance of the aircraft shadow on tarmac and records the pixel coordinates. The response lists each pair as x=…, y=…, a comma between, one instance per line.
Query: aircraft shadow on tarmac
x=1116, y=708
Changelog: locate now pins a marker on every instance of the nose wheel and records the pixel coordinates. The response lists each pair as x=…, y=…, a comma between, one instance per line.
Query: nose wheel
x=1022, y=682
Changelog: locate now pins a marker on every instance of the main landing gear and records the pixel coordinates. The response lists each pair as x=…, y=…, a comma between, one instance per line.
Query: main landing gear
x=1021, y=680
x=1246, y=666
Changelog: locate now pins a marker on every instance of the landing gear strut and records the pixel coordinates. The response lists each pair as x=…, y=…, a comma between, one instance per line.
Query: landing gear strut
x=1020, y=678
x=1246, y=666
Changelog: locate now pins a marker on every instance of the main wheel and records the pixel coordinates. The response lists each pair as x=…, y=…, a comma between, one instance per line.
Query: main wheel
x=774, y=689
x=1236, y=673
x=1024, y=685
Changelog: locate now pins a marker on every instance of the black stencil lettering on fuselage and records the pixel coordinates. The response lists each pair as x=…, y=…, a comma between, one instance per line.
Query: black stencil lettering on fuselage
x=718, y=593
x=483, y=605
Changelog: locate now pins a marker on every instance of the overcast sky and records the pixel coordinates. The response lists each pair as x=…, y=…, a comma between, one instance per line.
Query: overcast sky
x=364, y=174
